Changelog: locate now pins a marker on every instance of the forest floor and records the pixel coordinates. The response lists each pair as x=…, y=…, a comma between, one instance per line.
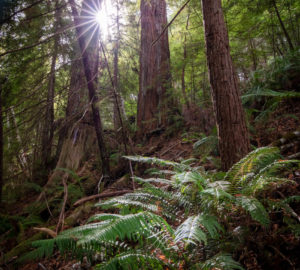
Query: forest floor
x=175, y=147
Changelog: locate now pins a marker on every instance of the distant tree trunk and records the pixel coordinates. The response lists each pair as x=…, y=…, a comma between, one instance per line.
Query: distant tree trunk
x=88, y=45
x=21, y=155
x=154, y=67
x=232, y=131
x=282, y=26
x=186, y=101
x=117, y=124
x=1, y=144
x=48, y=127
x=253, y=53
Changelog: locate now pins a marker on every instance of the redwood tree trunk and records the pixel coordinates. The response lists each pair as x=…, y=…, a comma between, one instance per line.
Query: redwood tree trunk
x=232, y=130
x=154, y=67
x=48, y=128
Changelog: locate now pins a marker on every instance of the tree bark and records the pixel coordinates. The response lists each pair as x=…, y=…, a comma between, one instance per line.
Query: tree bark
x=232, y=131
x=88, y=53
x=154, y=67
x=48, y=128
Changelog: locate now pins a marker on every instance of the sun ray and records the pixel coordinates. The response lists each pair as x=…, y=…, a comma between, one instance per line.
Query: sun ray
x=86, y=30
x=91, y=37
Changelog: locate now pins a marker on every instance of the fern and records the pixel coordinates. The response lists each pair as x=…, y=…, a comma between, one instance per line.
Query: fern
x=255, y=208
x=197, y=202
x=194, y=229
x=133, y=261
x=160, y=162
x=206, y=145
x=220, y=261
x=249, y=165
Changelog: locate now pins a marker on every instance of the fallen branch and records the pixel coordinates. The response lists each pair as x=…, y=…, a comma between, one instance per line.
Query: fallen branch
x=46, y=230
x=102, y=195
x=169, y=148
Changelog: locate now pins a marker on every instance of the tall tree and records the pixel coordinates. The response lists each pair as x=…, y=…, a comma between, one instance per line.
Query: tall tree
x=118, y=100
x=232, y=131
x=87, y=34
x=48, y=128
x=154, y=66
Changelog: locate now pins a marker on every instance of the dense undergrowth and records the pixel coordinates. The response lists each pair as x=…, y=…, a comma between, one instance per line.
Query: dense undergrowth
x=186, y=218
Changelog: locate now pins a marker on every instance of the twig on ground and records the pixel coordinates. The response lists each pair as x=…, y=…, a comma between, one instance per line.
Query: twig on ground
x=46, y=230
x=284, y=257
x=168, y=149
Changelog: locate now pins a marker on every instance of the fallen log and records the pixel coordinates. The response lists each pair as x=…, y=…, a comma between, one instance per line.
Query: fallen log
x=102, y=195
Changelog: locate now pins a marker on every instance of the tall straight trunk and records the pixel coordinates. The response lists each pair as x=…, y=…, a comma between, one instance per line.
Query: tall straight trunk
x=1, y=144
x=116, y=103
x=88, y=55
x=186, y=101
x=232, y=131
x=154, y=67
x=282, y=25
x=48, y=128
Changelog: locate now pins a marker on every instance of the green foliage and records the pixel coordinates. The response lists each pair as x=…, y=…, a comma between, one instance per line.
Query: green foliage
x=255, y=208
x=272, y=84
x=130, y=260
x=193, y=229
x=198, y=202
x=206, y=145
x=220, y=261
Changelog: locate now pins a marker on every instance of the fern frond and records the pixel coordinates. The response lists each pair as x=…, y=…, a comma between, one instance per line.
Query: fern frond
x=194, y=229
x=206, y=145
x=222, y=261
x=262, y=183
x=217, y=193
x=255, y=209
x=251, y=163
x=274, y=167
x=154, y=180
x=159, y=162
x=133, y=261
x=116, y=202
x=103, y=216
x=291, y=199
x=190, y=177
x=126, y=227
x=45, y=248
x=271, y=93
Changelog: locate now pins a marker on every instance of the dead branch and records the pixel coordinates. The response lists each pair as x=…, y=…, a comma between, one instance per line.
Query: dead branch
x=102, y=195
x=168, y=25
x=46, y=230
x=169, y=148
